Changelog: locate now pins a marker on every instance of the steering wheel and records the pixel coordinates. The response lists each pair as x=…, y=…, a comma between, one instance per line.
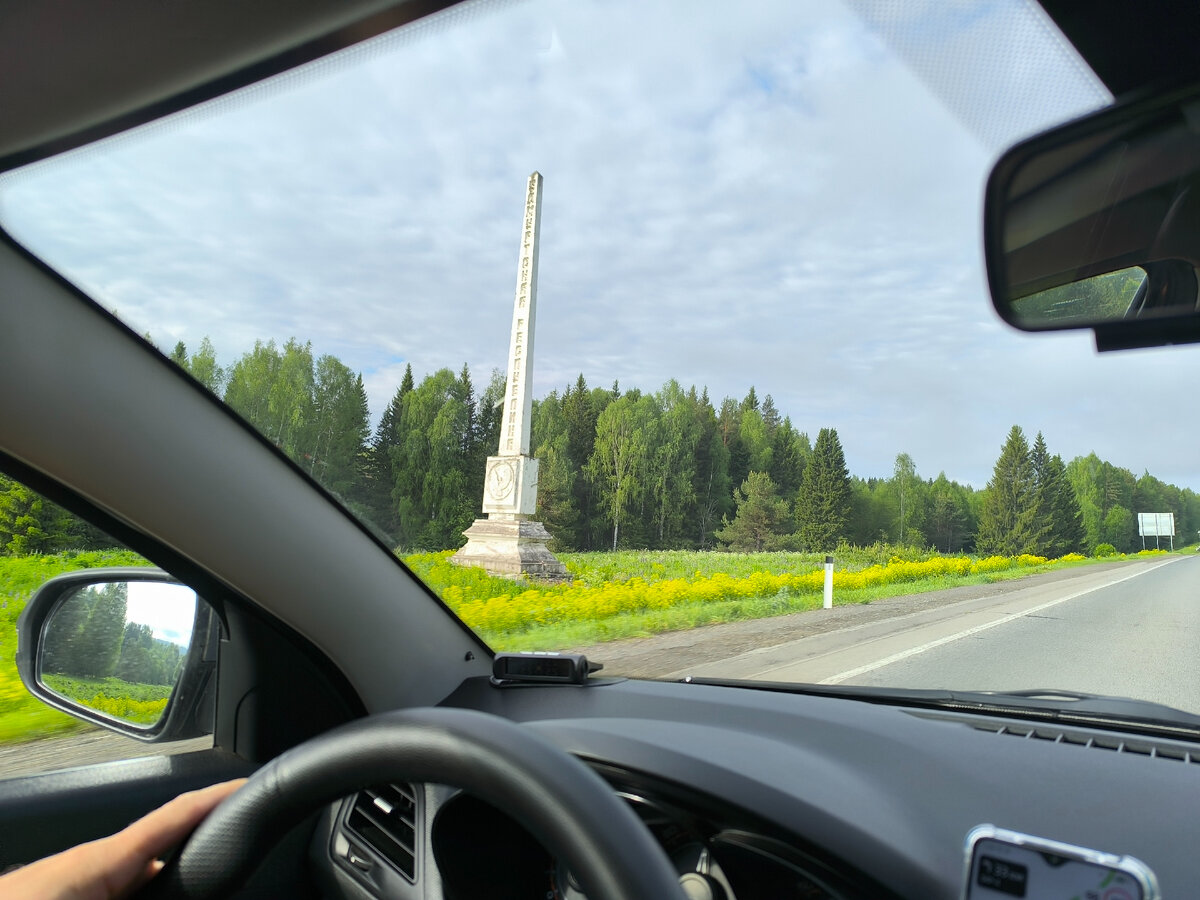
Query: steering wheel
x=564, y=804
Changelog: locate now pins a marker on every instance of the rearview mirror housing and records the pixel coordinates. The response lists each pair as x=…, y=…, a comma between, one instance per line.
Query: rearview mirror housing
x=128, y=649
x=1096, y=224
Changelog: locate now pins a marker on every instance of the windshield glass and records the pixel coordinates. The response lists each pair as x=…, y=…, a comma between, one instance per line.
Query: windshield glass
x=763, y=352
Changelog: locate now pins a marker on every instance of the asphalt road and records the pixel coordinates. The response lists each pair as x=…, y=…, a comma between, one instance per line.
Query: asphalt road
x=53, y=754
x=1137, y=638
x=1131, y=631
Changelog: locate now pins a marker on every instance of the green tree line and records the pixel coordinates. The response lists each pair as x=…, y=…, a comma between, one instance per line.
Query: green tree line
x=664, y=470
x=89, y=638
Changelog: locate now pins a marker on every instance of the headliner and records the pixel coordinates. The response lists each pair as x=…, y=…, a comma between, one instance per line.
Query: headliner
x=121, y=64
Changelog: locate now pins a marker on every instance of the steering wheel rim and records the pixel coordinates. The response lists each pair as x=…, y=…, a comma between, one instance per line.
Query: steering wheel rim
x=563, y=803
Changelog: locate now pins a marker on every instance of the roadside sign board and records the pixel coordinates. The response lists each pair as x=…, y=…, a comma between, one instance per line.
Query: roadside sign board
x=1156, y=524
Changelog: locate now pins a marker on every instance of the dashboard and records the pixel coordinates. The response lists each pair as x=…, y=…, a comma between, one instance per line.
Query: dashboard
x=756, y=794
x=477, y=850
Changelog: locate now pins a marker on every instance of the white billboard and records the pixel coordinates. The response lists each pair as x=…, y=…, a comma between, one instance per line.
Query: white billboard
x=1156, y=524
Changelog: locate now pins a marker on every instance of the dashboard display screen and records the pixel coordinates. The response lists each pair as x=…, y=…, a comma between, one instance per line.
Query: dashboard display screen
x=1004, y=864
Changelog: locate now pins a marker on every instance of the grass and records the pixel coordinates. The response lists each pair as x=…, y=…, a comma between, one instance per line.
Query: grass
x=131, y=701
x=85, y=688
x=38, y=722
x=658, y=565
x=636, y=594
x=646, y=624
x=22, y=716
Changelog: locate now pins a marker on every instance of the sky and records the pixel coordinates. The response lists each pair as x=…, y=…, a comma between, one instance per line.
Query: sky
x=787, y=198
x=169, y=609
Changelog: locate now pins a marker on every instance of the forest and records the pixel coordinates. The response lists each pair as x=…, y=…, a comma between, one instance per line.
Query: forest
x=626, y=469
x=92, y=640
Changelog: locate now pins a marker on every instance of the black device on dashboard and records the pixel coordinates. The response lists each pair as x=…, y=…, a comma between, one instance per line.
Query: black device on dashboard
x=542, y=666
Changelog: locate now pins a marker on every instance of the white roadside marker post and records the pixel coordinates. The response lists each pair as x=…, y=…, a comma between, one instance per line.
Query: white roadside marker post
x=829, y=582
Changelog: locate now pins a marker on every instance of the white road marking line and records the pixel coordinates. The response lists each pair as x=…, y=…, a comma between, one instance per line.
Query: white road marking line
x=913, y=651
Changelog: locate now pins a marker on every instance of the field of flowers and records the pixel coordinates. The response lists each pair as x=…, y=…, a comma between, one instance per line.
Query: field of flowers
x=610, y=585
x=140, y=703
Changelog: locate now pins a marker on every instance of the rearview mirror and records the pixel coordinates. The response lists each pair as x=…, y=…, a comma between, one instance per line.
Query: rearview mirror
x=124, y=648
x=1096, y=224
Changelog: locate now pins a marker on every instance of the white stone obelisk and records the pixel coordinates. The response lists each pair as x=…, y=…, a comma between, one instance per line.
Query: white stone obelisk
x=508, y=542
x=510, y=486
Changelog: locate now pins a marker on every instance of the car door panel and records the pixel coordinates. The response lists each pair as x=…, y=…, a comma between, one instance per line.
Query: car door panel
x=43, y=814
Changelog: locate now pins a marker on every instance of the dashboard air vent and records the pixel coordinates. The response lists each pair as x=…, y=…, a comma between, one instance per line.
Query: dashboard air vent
x=1056, y=734
x=385, y=819
x=1156, y=749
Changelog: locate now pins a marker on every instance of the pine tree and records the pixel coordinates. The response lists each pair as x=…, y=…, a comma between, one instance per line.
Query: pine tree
x=1066, y=513
x=61, y=637
x=1059, y=521
x=98, y=646
x=1044, y=498
x=823, y=504
x=711, y=485
x=1007, y=519
x=729, y=422
x=580, y=409
x=378, y=477
x=790, y=451
x=761, y=516
x=770, y=414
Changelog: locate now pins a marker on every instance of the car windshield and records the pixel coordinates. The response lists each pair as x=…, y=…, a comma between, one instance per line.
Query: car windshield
x=764, y=376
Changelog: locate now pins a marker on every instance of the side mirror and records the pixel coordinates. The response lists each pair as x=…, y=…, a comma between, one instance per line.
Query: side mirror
x=131, y=650
x=1096, y=224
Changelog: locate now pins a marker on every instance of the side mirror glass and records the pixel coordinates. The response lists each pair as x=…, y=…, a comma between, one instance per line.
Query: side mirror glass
x=131, y=650
x=118, y=647
x=1096, y=224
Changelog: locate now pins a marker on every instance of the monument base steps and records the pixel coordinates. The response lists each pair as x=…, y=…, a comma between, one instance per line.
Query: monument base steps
x=511, y=548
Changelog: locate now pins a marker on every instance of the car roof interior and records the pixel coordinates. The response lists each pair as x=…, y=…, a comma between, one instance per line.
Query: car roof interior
x=117, y=66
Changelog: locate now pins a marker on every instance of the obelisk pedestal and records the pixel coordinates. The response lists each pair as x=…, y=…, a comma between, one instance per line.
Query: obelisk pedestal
x=511, y=549
x=507, y=542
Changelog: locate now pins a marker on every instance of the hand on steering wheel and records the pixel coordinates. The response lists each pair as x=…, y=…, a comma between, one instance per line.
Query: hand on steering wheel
x=561, y=801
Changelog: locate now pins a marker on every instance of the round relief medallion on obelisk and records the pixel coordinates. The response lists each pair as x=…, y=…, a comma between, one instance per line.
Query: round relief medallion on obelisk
x=501, y=478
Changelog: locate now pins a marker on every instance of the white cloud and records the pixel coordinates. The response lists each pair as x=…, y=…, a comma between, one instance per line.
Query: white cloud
x=773, y=200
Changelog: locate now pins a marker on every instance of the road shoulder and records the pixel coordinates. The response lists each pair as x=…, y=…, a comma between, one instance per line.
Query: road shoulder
x=668, y=654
